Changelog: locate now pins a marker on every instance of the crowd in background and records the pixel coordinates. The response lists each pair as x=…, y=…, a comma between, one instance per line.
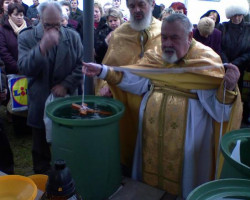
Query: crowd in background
x=107, y=18
x=230, y=40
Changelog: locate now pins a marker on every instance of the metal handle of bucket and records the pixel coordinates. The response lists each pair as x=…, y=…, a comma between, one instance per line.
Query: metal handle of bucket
x=221, y=129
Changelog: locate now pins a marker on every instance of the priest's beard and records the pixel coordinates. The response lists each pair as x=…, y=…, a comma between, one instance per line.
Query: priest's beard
x=169, y=58
x=142, y=24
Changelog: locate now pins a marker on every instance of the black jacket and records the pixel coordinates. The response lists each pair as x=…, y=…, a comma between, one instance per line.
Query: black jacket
x=236, y=45
x=3, y=75
x=100, y=33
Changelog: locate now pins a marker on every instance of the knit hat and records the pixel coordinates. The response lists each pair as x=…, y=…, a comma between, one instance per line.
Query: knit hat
x=239, y=7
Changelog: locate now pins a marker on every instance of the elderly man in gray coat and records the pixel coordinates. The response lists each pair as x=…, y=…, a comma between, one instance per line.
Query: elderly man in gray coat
x=50, y=55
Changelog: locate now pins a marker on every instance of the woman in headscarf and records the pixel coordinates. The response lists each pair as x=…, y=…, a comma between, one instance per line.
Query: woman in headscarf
x=236, y=41
x=214, y=15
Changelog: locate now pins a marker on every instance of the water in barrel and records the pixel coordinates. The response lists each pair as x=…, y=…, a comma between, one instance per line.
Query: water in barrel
x=240, y=151
x=68, y=113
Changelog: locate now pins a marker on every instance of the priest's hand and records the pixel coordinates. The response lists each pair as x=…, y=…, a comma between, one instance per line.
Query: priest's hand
x=91, y=69
x=232, y=76
x=105, y=92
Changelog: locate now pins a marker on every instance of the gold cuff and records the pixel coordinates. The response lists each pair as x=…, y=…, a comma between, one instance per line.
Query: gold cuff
x=113, y=77
x=230, y=95
x=232, y=92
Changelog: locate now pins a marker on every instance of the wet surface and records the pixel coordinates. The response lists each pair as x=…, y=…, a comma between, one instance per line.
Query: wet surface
x=240, y=151
x=68, y=112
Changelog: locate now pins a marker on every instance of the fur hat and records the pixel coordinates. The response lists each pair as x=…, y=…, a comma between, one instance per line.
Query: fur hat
x=239, y=7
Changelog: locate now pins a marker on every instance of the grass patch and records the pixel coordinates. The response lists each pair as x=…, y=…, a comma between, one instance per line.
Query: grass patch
x=21, y=146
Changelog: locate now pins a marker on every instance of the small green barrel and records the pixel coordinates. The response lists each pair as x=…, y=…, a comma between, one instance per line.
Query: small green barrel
x=90, y=147
x=222, y=189
x=235, y=147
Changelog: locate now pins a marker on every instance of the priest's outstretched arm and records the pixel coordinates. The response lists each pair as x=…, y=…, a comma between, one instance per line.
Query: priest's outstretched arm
x=125, y=80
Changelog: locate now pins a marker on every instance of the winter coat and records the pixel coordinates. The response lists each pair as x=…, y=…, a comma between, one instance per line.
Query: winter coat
x=76, y=15
x=8, y=47
x=26, y=7
x=3, y=76
x=100, y=33
x=62, y=65
x=213, y=41
x=236, y=45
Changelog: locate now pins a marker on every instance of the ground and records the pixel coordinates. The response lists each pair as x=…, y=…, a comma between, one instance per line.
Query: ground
x=20, y=145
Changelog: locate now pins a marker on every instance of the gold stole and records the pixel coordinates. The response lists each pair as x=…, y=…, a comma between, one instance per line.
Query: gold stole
x=164, y=126
x=163, y=138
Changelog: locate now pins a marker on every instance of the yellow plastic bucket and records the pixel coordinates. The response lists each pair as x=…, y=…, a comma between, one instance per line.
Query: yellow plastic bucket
x=17, y=187
x=40, y=180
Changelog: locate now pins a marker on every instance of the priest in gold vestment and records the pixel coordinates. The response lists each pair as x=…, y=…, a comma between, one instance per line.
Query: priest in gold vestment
x=127, y=46
x=186, y=91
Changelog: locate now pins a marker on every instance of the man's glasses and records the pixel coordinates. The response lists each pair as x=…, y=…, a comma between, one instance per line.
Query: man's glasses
x=49, y=26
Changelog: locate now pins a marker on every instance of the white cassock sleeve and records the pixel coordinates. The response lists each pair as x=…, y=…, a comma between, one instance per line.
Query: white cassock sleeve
x=130, y=82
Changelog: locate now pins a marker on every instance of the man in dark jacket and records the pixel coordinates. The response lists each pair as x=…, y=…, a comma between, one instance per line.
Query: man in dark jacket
x=51, y=57
x=157, y=11
x=75, y=13
x=32, y=12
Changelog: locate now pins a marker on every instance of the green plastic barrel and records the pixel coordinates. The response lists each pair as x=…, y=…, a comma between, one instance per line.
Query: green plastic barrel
x=90, y=147
x=222, y=189
x=235, y=147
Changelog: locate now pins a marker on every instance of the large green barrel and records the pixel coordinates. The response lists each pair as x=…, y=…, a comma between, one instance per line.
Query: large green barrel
x=235, y=147
x=90, y=147
x=222, y=189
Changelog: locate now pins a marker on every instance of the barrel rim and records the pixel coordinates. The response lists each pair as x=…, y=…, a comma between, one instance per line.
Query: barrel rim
x=115, y=104
x=226, y=140
x=221, y=188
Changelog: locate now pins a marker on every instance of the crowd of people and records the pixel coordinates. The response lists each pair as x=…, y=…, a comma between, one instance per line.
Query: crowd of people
x=167, y=134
